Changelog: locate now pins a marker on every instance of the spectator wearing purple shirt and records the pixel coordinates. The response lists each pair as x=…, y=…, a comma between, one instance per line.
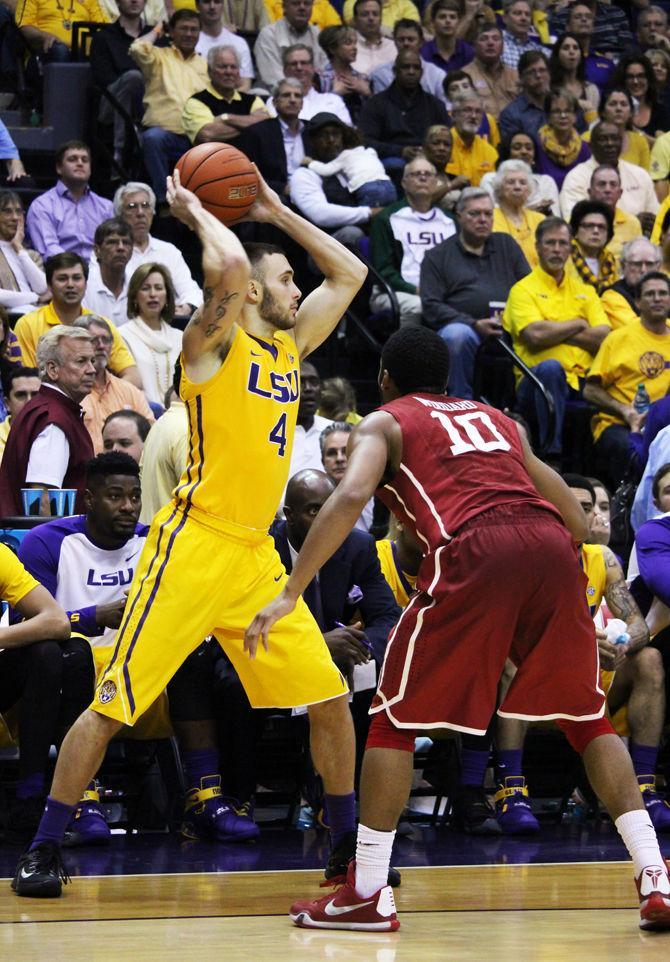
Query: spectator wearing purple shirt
x=65, y=217
x=447, y=50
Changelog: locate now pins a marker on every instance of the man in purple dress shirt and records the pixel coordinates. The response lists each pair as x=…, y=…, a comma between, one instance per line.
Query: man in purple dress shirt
x=65, y=217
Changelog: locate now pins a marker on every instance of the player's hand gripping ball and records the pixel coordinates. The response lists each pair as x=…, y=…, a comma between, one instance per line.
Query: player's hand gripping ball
x=222, y=178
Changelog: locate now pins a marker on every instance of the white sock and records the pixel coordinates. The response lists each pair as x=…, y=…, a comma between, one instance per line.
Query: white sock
x=639, y=837
x=373, y=857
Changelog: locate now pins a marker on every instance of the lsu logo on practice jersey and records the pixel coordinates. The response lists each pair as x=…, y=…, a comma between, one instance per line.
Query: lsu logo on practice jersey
x=283, y=388
x=109, y=578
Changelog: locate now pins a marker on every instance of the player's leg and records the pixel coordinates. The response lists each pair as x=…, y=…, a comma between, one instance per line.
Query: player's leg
x=610, y=771
x=365, y=901
x=207, y=813
x=142, y=663
x=513, y=810
x=640, y=685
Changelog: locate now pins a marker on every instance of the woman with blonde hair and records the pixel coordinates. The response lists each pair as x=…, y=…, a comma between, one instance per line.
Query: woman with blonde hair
x=512, y=186
x=149, y=334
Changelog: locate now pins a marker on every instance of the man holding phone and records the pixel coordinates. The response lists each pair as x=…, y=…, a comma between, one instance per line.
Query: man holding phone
x=463, y=278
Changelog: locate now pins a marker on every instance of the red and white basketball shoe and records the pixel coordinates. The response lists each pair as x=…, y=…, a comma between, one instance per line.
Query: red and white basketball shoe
x=654, y=890
x=345, y=909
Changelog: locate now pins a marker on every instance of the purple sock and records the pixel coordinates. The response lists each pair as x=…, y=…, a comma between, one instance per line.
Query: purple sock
x=340, y=815
x=644, y=758
x=508, y=763
x=54, y=822
x=199, y=764
x=32, y=786
x=473, y=766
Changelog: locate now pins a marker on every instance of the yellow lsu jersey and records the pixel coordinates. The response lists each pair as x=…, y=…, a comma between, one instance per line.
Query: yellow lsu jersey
x=592, y=561
x=241, y=428
x=401, y=584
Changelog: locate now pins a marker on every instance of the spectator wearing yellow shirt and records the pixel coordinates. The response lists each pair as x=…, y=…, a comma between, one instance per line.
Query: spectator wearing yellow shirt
x=171, y=75
x=512, y=186
x=638, y=353
x=660, y=165
x=471, y=155
x=323, y=13
x=557, y=325
x=392, y=11
x=47, y=24
x=638, y=257
x=66, y=279
x=606, y=187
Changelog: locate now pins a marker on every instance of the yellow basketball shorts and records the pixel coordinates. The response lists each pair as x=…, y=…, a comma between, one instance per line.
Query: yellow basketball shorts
x=193, y=581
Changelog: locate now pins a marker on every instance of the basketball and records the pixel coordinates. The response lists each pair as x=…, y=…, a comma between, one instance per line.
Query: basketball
x=222, y=178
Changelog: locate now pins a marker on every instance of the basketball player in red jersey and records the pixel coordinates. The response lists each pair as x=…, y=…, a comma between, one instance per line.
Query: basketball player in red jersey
x=499, y=578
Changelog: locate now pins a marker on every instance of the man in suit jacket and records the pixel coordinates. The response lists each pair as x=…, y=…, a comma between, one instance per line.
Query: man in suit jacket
x=350, y=582
x=278, y=146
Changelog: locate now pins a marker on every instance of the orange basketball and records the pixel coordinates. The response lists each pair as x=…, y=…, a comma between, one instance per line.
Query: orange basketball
x=222, y=177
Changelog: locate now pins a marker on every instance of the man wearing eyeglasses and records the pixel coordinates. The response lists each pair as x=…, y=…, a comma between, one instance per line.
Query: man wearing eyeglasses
x=402, y=234
x=298, y=61
x=135, y=203
x=109, y=393
x=462, y=280
x=638, y=257
x=472, y=155
x=606, y=187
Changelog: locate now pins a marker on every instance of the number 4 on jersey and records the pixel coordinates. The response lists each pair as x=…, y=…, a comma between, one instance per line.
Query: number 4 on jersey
x=278, y=435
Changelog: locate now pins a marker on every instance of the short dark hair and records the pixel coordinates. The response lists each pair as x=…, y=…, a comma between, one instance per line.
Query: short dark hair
x=452, y=76
x=583, y=208
x=13, y=372
x=256, y=251
x=143, y=425
x=658, y=477
x=406, y=24
x=530, y=57
x=100, y=468
x=549, y=223
x=180, y=15
x=579, y=481
x=113, y=225
x=455, y=5
x=417, y=359
x=359, y=3
x=71, y=145
x=650, y=276
x=60, y=261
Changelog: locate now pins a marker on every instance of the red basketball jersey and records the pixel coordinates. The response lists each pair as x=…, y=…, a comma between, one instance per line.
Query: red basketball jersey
x=459, y=458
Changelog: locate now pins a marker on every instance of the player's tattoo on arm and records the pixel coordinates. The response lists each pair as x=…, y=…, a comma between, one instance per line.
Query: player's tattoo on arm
x=219, y=311
x=622, y=605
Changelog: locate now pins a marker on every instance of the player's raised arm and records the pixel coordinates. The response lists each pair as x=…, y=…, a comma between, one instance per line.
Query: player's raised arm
x=553, y=488
x=343, y=272
x=368, y=453
x=226, y=269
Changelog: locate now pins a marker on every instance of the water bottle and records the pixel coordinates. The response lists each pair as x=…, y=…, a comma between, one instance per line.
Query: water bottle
x=617, y=632
x=641, y=401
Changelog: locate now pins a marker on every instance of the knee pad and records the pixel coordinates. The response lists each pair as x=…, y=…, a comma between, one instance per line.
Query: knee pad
x=383, y=734
x=581, y=734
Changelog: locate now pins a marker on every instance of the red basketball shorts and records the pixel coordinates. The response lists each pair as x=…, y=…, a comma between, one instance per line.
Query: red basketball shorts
x=508, y=585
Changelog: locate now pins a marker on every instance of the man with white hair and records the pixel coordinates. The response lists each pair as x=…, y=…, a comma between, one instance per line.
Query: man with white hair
x=472, y=156
x=48, y=444
x=222, y=110
x=298, y=63
x=401, y=235
x=638, y=257
x=135, y=203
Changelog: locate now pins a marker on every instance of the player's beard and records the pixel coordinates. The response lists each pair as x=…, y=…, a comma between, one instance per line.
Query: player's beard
x=271, y=311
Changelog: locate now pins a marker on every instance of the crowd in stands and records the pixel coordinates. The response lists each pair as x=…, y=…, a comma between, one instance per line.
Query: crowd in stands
x=506, y=172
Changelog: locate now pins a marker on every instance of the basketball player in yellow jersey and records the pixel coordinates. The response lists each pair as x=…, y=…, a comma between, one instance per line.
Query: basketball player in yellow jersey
x=209, y=564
